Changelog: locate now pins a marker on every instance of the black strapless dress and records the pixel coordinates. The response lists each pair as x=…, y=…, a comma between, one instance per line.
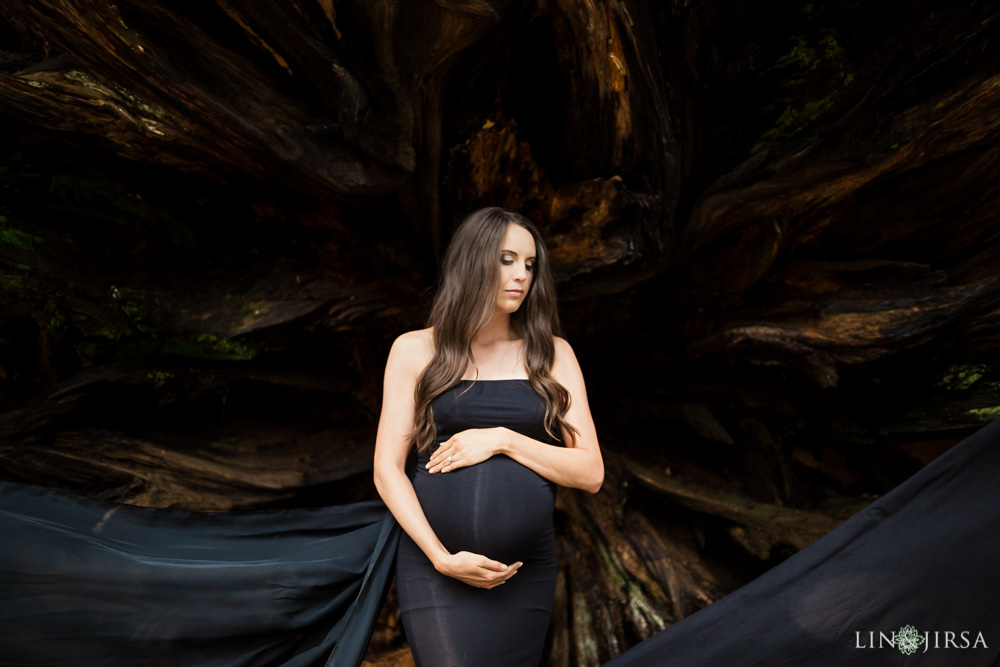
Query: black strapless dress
x=497, y=508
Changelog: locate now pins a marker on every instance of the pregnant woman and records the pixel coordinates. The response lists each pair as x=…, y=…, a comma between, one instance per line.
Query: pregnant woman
x=494, y=403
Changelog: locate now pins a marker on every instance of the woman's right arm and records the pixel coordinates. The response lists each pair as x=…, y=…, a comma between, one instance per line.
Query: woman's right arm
x=407, y=358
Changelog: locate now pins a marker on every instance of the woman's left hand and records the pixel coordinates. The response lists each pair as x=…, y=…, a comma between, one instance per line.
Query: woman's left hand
x=467, y=448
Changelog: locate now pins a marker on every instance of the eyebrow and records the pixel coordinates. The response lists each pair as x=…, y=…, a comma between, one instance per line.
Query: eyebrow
x=515, y=254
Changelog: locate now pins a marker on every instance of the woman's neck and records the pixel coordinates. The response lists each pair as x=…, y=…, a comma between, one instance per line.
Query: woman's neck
x=497, y=329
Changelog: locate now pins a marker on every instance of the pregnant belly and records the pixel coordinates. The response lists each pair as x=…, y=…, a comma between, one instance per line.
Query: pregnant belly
x=497, y=508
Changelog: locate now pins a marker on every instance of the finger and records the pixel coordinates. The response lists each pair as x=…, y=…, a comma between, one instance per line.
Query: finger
x=507, y=575
x=512, y=569
x=438, y=461
x=437, y=456
x=445, y=465
x=494, y=565
x=502, y=577
x=496, y=578
x=439, y=466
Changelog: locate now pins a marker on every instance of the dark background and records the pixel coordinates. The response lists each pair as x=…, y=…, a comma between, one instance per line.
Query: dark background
x=773, y=226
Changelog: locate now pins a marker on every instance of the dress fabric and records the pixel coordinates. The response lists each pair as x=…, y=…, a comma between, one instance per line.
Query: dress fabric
x=85, y=582
x=924, y=556
x=497, y=508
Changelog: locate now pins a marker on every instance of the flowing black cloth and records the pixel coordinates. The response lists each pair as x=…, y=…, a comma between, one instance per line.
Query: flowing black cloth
x=497, y=508
x=925, y=555
x=86, y=582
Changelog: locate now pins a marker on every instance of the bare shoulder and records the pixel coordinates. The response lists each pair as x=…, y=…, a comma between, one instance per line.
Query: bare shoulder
x=411, y=352
x=418, y=338
x=565, y=367
x=564, y=351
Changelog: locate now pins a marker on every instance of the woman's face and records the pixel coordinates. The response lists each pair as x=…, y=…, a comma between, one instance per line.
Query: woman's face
x=517, y=265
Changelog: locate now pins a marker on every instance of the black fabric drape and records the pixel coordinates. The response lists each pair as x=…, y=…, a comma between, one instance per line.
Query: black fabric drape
x=87, y=582
x=925, y=555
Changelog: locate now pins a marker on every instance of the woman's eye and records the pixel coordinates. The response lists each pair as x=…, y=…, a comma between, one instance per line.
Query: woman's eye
x=530, y=267
x=504, y=260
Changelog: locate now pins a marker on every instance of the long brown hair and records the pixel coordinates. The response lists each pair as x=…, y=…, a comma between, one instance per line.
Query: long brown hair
x=465, y=302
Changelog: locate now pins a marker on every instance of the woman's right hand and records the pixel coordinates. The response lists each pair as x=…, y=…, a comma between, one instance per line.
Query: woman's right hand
x=477, y=570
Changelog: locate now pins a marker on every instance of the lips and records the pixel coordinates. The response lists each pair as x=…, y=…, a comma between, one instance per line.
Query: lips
x=514, y=292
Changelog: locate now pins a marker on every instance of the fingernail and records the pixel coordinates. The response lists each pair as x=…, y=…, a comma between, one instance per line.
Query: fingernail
x=504, y=566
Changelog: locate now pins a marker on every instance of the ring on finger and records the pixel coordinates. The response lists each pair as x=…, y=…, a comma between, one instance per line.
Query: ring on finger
x=450, y=459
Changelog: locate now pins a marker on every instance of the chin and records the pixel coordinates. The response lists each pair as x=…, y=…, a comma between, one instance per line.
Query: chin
x=509, y=308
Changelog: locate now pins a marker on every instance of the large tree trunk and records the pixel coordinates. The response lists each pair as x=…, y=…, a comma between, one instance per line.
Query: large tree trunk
x=773, y=230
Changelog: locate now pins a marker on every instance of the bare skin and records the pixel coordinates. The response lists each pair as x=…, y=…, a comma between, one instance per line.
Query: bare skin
x=498, y=355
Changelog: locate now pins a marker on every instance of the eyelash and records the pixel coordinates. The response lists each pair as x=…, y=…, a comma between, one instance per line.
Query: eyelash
x=508, y=262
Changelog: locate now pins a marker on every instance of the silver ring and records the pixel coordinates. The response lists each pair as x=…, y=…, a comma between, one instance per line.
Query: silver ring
x=450, y=459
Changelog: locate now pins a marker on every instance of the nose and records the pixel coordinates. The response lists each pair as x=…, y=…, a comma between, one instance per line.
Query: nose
x=521, y=274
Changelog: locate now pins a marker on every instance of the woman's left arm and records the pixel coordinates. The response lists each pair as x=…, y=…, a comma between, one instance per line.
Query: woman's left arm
x=578, y=466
